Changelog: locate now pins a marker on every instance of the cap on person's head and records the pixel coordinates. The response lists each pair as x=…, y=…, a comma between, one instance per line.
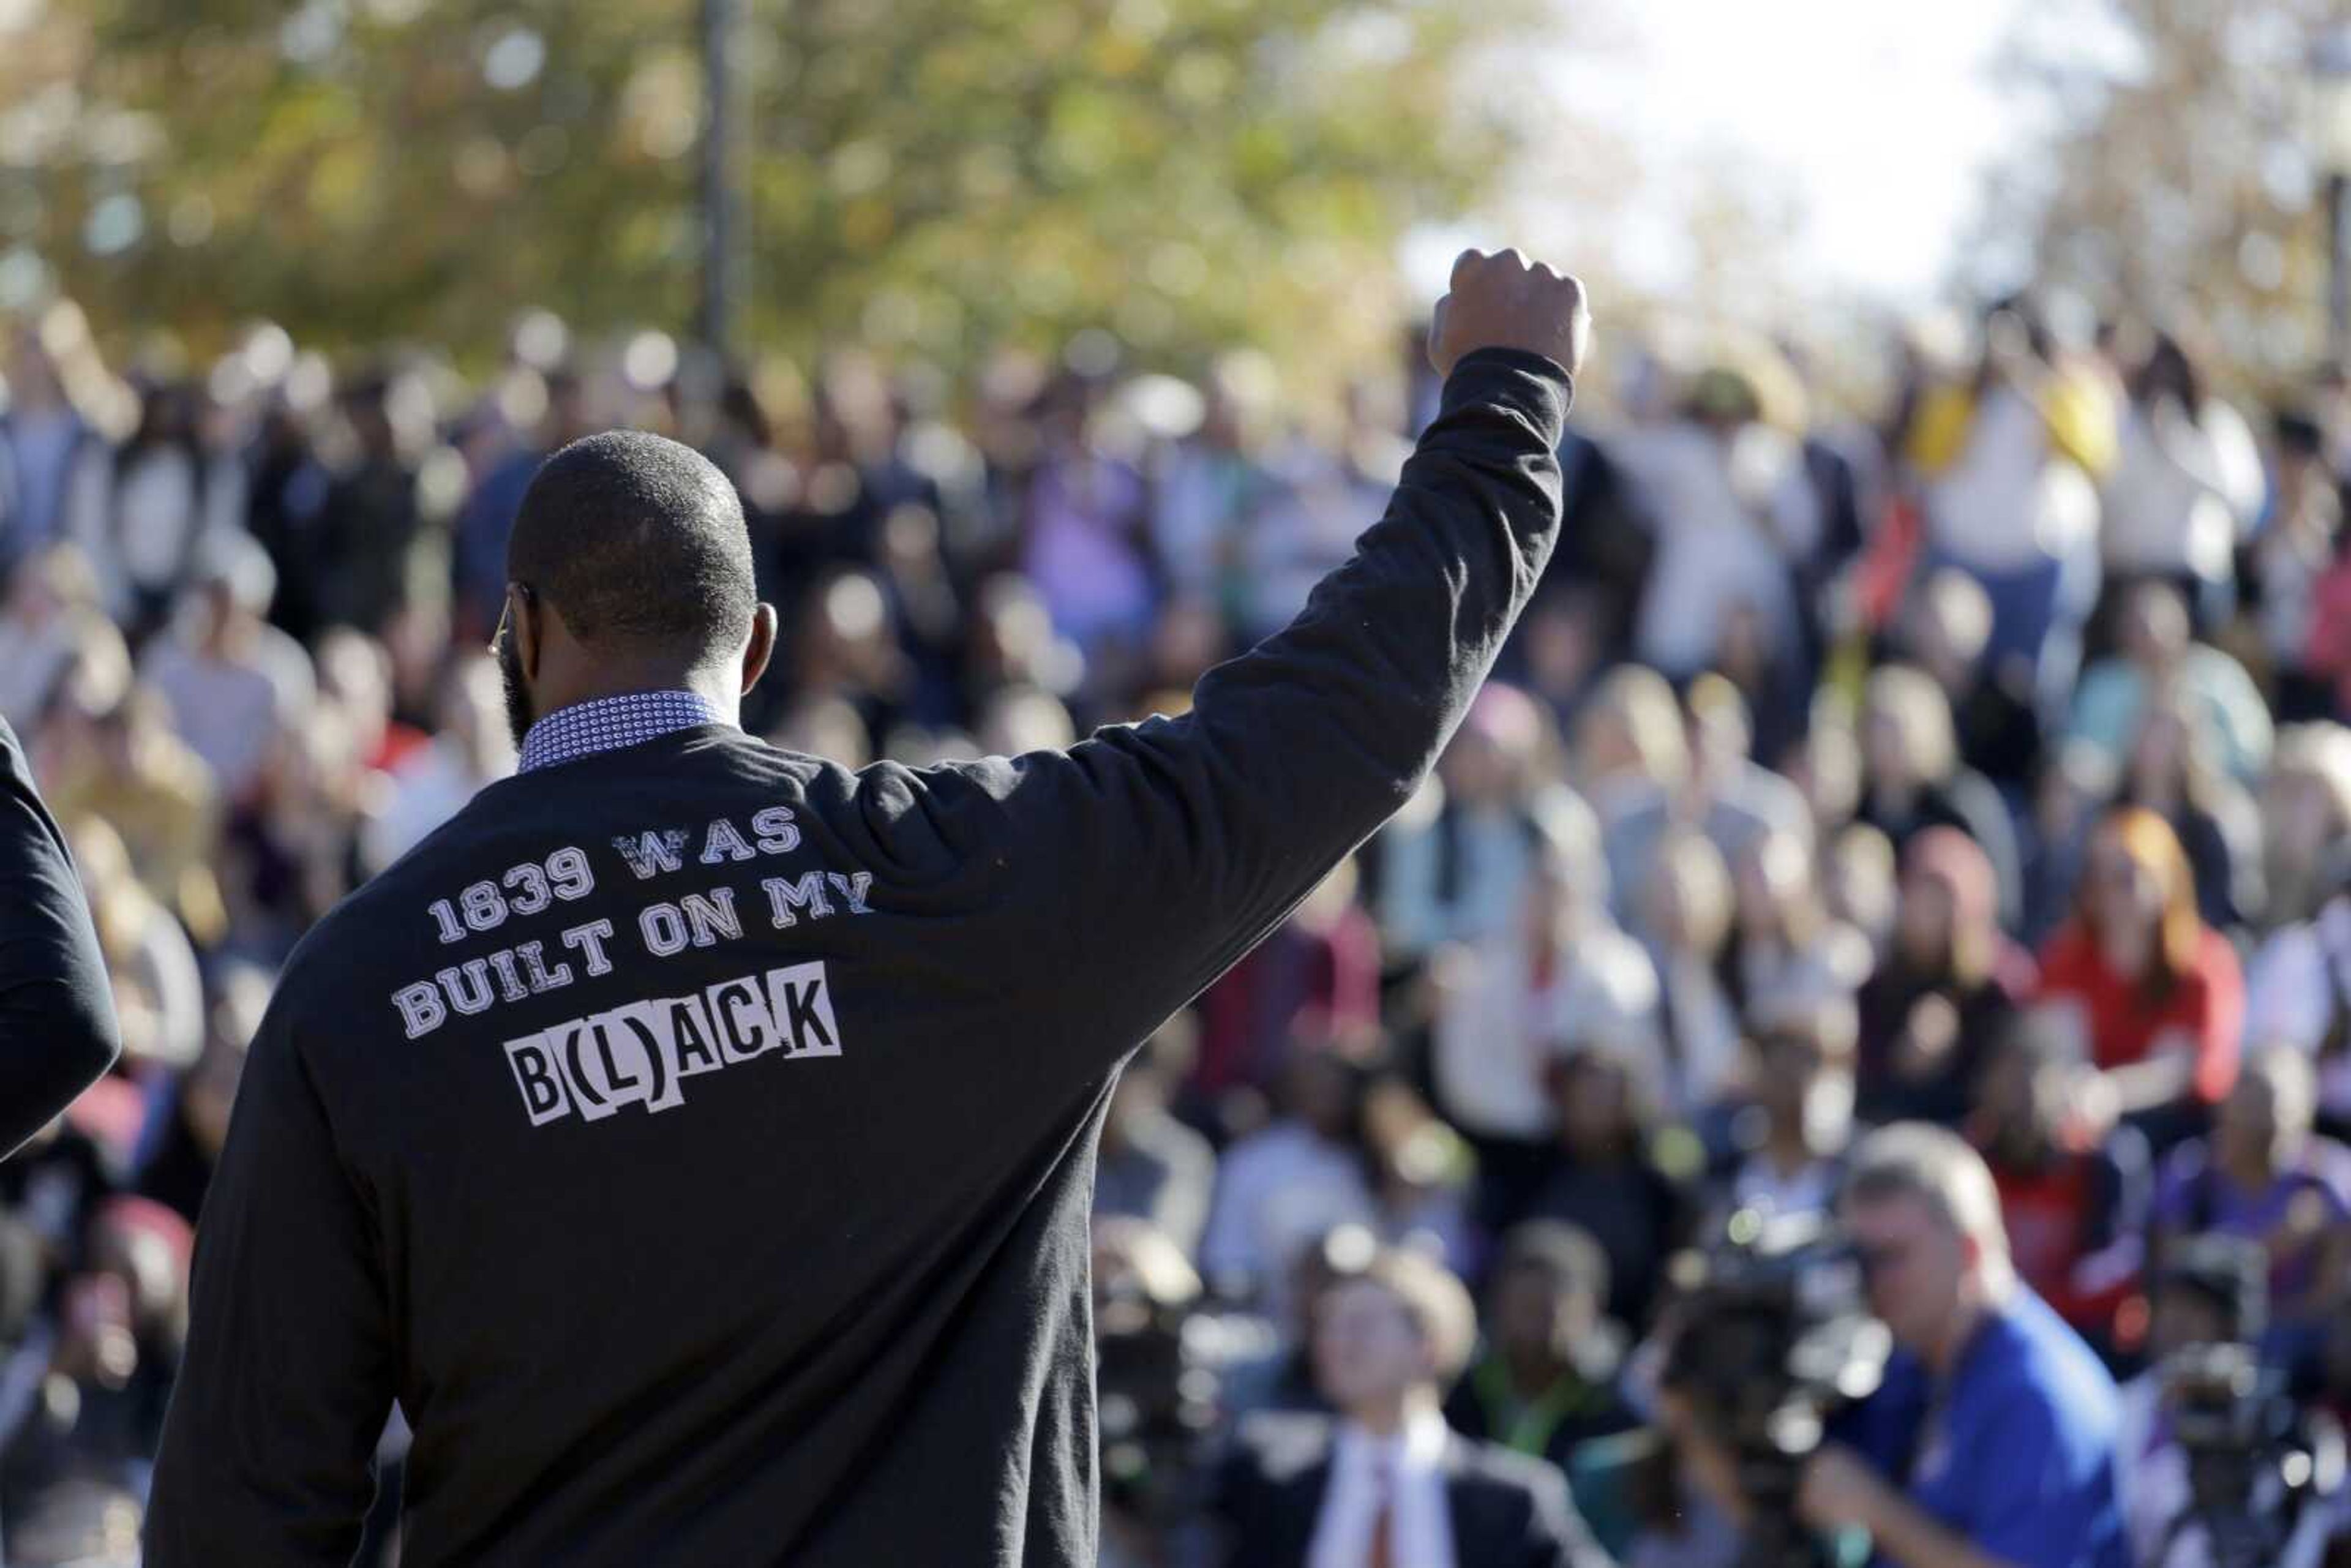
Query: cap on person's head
x=638, y=542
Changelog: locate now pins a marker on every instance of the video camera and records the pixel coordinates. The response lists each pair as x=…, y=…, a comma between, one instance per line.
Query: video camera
x=1774, y=1336
x=2255, y=1459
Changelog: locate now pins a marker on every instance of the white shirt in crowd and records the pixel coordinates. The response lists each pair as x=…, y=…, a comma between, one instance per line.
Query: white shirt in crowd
x=1278, y=1190
x=1729, y=515
x=2298, y=982
x=1405, y=1471
x=1496, y=1032
x=143, y=522
x=2005, y=504
x=2182, y=491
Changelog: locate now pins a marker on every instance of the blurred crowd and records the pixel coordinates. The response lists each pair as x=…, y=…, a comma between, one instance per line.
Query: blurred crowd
x=1981, y=761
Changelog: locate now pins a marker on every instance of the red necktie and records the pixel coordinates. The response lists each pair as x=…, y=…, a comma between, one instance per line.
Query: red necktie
x=1383, y=1553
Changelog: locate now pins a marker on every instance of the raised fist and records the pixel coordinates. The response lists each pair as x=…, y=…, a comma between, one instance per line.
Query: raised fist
x=1507, y=302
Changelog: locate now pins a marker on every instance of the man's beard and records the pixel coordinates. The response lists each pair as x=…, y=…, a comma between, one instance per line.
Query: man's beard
x=519, y=710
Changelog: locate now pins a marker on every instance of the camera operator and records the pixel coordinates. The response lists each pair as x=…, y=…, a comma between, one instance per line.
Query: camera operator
x=1989, y=1443
x=1992, y=1439
x=2207, y=1476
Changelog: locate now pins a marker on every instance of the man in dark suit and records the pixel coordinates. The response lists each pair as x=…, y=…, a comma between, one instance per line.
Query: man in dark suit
x=1386, y=1483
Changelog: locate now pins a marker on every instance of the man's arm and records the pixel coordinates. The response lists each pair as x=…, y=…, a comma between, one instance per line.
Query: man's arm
x=58, y=1032
x=2026, y=1511
x=1170, y=848
x=289, y=1371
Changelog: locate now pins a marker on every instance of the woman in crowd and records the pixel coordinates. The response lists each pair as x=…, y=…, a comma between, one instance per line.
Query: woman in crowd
x=2155, y=995
x=2185, y=484
x=1945, y=990
x=2171, y=771
x=1912, y=780
x=1785, y=947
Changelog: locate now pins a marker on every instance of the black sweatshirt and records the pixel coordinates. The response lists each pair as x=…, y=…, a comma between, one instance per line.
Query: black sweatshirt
x=697, y=1139
x=58, y=1033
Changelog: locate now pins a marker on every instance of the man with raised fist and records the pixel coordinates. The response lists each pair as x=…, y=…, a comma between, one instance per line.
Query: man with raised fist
x=696, y=1139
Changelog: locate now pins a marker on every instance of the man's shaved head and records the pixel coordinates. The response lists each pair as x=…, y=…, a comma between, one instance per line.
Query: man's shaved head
x=639, y=544
x=629, y=570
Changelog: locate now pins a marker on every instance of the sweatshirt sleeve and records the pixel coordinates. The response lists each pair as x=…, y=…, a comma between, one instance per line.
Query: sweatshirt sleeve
x=1150, y=857
x=288, y=1374
x=57, y=1031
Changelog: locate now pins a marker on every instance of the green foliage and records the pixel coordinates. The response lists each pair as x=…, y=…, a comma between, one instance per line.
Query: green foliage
x=941, y=174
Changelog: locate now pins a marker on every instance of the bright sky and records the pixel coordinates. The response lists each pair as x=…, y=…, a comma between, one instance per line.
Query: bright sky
x=1876, y=115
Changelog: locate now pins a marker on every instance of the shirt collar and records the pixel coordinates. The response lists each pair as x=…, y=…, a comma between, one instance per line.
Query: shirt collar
x=1417, y=1446
x=607, y=724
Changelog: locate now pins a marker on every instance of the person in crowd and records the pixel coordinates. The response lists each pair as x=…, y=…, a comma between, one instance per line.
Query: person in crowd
x=1152, y=1166
x=2186, y=484
x=1788, y=1143
x=236, y=685
x=1457, y=874
x=2211, y=1291
x=2005, y=466
x=1786, y=948
x=355, y=681
x=1991, y=1438
x=1688, y=914
x=2263, y=1174
x=1292, y=1180
x=1615, y=1174
x=2076, y=788
x=2170, y=770
x=50, y=610
x=148, y=512
x=1859, y=882
x=2073, y=1203
x=2305, y=813
x=1208, y=485
x=2287, y=561
x=44, y=436
x=362, y=554
x=1084, y=538
x=1912, y=779
x=1729, y=493
x=1995, y=711
x=1504, y=1003
x=1317, y=976
x=122, y=762
x=478, y=554
x=1945, y=990
x=158, y=991
x=470, y=747
x=1727, y=789
x=1631, y=747
x=2155, y=997
x=188, y=1117
x=296, y=849
x=1546, y=1380
x=2298, y=991
x=2157, y=655
x=1385, y=1482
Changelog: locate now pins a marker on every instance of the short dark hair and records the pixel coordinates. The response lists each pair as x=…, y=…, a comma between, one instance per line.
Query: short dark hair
x=640, y=543
x=1564, y=1254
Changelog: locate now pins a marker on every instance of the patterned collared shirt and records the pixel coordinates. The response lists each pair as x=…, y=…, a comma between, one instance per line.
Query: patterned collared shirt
x=583, y=729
